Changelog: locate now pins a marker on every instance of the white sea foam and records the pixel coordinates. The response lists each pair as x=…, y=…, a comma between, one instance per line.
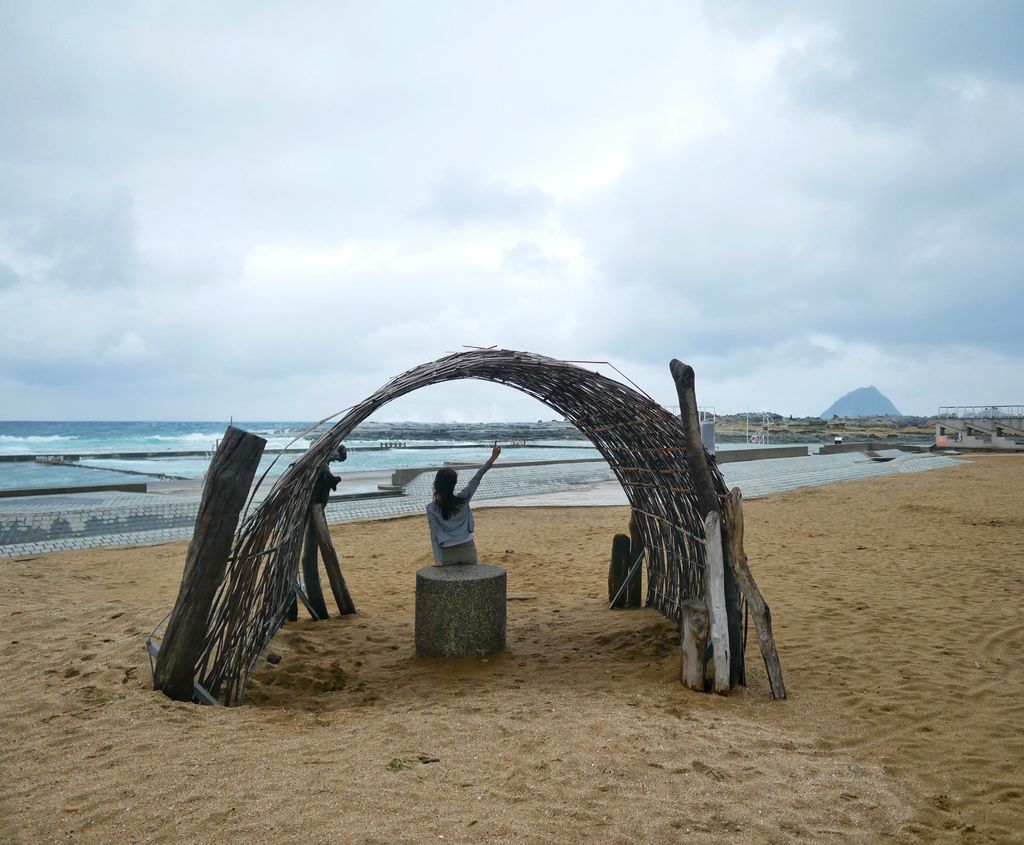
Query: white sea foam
x=13, y=445
x=36, y=438
x=194, y=437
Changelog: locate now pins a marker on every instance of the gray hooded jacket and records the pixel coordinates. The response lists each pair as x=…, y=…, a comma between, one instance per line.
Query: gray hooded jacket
x=458, y=528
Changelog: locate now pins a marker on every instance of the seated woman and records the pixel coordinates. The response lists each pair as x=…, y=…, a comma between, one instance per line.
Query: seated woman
x=449, y=516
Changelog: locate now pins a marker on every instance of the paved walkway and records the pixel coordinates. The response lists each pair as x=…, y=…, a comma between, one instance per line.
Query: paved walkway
x=39, y=524
x=756, y=478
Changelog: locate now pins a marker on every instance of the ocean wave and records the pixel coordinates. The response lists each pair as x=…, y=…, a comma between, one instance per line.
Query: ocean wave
x=36, y=438
x=284, y=443
x=285, y=431
x=194, y=437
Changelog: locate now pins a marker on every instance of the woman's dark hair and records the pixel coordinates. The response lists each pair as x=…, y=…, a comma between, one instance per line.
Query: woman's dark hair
x=444, y=492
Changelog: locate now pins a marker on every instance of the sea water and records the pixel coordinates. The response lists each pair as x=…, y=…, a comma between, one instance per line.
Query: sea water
x=426, y=444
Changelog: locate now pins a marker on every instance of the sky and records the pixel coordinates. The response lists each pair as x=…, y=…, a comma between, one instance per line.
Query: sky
x=267, y=210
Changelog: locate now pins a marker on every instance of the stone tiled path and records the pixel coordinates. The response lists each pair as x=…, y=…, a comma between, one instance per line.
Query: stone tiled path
x=83, y=520
x=759, y=478
x=39, y=524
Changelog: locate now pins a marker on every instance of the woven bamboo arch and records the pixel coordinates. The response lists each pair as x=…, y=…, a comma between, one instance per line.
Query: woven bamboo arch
x=644, y=444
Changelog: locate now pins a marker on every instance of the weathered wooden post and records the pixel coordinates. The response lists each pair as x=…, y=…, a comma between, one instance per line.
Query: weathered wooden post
x=331, y=563
x=318, y=539
x=310, y=570
x=695, y=643
x=755, y=601
x=707, y=502
x=618, y=570
x=714, y=597
x=225, y=491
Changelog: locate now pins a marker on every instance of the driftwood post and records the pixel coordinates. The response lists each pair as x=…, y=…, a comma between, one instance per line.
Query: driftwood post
x=227, y=485
x=707, y=502
x=331, y=562
x=714, y=596
x=311, y=572
x=618, y=570
x=695, y=643
x=755, y=601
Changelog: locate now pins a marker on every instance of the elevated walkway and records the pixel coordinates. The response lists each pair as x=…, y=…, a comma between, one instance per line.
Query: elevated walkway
x=996, y=427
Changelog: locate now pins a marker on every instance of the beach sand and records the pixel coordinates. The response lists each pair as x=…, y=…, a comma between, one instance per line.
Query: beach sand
x=897, y=606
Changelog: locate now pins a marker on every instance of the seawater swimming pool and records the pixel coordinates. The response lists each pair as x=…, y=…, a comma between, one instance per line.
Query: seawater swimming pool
x=426, y=444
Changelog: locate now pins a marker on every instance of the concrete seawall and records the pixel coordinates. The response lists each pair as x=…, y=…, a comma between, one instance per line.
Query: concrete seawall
x=869, y=446
x=761, y=453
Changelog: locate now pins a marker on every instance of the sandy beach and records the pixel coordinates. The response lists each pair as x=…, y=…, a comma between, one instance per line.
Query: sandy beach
x=897, y=606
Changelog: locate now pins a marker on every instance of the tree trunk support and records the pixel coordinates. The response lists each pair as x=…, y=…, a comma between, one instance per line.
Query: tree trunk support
x=714, y=596
x=755, y=601
x=618, y=572
x=331, y=563
x=695, y=643
x=227, y=486
x=311, y=572
x=708, y=502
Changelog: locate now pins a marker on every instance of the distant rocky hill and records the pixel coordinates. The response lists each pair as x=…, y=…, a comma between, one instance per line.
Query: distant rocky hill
x=862, y=402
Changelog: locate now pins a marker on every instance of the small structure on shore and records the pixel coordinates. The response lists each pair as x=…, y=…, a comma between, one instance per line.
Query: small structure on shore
x=686, y=526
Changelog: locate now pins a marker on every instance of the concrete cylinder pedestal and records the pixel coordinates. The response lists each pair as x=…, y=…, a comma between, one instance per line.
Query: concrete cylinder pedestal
x=460, y=610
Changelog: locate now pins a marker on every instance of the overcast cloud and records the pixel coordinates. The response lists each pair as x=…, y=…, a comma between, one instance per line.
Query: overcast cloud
x=267, y=210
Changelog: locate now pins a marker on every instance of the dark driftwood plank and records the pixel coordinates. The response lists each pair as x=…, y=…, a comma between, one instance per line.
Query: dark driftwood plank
x=227, y=485
x=695, y=643
x=617, y=571
x=755, y=601
x=311, y=572
x=708, y=502
x=331, y=562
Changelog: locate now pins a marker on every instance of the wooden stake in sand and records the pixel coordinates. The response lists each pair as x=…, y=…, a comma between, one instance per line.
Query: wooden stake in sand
x=331, y=562
x=695, y=643
x=618, y=571
x=310, y=570
x=227, y=485
x=755, y=601
x=714, y=595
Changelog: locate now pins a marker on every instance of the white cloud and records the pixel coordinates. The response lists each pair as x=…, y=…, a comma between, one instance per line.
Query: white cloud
x=272, y=213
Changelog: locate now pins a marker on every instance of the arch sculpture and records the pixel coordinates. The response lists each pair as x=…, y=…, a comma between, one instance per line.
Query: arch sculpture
x=644, y=444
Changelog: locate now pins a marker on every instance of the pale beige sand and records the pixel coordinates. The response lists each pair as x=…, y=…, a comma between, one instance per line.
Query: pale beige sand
x=898, y=614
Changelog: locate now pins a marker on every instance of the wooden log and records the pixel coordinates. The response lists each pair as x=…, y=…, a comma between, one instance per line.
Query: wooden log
x=634, y=596
x=225, y=491
x=618, y=570
x=714, y=596
x=695, y=643
x=331, y=562
x=696, y=458
x=755, y=601
x=708, y=502
x=310, y=570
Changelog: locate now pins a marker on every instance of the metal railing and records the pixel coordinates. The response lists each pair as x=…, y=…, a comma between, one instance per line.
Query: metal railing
x=981, y=412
